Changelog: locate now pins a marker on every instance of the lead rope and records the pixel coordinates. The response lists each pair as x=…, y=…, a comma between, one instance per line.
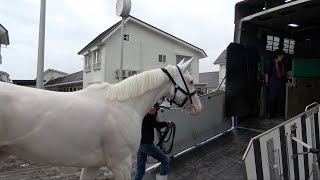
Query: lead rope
x=164, y=139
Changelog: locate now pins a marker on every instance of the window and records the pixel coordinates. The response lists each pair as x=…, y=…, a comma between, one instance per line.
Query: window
x=87, y=63
x=288, y=45
x=162, y=58
x=96, y=60
x=87, y=60
x=273, y=43
x=126, y=37
x=96, y=56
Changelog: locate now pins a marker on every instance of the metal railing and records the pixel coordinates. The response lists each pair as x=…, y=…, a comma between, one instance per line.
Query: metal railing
x=87, y=68
x=274, y=154
x=97, y=66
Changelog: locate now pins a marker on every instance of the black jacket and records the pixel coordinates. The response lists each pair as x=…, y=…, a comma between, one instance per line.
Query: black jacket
x=149, y=123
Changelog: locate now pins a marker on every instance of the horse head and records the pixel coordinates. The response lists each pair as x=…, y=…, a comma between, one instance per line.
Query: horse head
x=182, y=91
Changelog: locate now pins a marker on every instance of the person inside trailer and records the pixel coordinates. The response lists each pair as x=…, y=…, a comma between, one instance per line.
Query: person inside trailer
x=275, y=80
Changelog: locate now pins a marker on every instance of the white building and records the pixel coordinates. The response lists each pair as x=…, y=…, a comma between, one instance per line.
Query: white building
x=211, y=79
x=50, y=74
x=145, y=47
x=222, y=62
x=4, y=39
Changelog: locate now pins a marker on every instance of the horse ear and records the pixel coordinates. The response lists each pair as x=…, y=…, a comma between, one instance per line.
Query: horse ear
x=181, y=62
x=186, y=65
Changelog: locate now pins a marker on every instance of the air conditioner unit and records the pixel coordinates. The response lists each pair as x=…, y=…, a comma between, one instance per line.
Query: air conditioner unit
x=132, y=72
x=126, y=73
x=116, y=73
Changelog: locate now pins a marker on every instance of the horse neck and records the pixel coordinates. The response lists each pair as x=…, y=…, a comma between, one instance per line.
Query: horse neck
x=144, y=102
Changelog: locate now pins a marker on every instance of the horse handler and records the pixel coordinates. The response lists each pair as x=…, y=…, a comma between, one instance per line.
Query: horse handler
x=148, y=148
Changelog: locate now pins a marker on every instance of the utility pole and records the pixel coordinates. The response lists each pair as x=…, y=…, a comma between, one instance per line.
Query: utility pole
x=40, y=65
x=123, y=8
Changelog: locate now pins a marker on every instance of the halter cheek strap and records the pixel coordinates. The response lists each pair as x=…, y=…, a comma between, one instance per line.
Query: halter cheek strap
x=177, y=87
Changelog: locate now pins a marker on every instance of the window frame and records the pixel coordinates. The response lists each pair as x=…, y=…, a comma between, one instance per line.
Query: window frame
x=96, y=59
x=273, y=42
x=162, y=58
x=88, y=62
x=289, y=45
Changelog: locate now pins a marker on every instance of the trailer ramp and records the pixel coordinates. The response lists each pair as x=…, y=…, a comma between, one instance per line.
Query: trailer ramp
x=221, y=157
x=218, y=159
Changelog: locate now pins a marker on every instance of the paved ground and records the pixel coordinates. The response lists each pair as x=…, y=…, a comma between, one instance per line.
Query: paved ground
x=17, y=169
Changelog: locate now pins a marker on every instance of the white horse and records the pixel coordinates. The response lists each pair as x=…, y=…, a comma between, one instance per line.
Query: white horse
x=97, y=126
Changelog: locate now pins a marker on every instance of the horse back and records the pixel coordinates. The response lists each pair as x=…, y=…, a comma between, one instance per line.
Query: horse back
x=22, y=109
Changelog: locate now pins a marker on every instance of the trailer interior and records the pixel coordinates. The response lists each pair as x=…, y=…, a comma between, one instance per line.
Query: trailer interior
x=293, y=27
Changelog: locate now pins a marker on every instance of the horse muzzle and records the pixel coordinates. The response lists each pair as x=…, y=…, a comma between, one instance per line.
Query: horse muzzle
x=194, y=110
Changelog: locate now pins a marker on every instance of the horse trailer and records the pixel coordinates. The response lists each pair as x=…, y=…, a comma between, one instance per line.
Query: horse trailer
x=280, y=148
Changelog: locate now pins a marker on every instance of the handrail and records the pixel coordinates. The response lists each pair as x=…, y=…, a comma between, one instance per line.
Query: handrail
x=221, y=83
x=311, y=105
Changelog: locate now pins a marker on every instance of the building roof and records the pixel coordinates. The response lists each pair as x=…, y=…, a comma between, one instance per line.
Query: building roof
x=55, y=71
x=212, y=78
x=4, y=35
x=222, y=59
x=71, y=78
x=25, y=82
x=115, y=27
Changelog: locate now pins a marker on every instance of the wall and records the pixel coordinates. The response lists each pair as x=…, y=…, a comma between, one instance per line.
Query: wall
x=66, y=87
x=95, y=76
x=305, y=92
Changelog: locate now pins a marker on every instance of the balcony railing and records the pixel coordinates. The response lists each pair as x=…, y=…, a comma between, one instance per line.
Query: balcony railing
x=87, y=68
x=97, y=66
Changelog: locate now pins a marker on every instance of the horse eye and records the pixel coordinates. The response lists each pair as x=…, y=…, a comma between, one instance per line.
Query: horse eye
x=191, y=82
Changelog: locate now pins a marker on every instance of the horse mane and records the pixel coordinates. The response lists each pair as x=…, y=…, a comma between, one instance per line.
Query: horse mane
x=135, y=85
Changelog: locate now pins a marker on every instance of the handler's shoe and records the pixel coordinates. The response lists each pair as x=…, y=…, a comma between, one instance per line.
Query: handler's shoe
x=161, y=177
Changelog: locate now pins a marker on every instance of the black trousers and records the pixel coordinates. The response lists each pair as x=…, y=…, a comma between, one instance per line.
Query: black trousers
x=276, y=100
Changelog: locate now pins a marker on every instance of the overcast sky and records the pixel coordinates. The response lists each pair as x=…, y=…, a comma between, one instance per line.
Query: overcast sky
x=72, y=24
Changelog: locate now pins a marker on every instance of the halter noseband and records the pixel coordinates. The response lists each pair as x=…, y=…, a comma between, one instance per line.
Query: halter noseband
x=177, y=87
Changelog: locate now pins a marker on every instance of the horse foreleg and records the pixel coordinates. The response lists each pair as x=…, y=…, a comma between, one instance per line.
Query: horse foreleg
x=3, y=157
x=89, y=173
x=122, y=169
